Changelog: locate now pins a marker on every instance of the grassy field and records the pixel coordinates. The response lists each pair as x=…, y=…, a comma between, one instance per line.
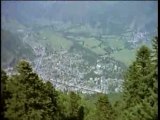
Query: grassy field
x=98, y=51
x=115, y=42
x=91, y=42
x=56, y=40
x=93, y=45
x=126, y=56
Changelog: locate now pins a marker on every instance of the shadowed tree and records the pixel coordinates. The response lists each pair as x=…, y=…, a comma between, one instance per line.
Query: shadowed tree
x=104, y=109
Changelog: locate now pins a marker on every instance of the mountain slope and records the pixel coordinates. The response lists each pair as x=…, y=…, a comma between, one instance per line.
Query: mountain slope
x=13, y=48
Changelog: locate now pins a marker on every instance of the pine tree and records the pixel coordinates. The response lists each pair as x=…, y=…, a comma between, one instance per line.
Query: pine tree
x=4, y=93
x=74, y=105
x=15, y=104
x=155, y=51
x=104, y=109
x=152, y=101
x=63, y=105
x=31, y=98
x=52, y=104
x=139, y=87
x=81, y=113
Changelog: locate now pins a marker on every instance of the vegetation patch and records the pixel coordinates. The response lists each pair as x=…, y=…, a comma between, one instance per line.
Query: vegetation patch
x=56, y=40
x=126, y=56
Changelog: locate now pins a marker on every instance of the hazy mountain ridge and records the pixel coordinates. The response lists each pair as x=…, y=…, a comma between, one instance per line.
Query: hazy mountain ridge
x=106, y=14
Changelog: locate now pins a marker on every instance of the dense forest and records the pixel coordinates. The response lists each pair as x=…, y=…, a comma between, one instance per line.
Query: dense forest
x=26, y=96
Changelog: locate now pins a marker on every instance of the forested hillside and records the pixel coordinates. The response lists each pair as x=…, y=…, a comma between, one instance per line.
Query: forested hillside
x=25, y=96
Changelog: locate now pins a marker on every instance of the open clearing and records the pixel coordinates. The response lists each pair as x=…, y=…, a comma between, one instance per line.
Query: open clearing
x=126, y=56
x=56, y=40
